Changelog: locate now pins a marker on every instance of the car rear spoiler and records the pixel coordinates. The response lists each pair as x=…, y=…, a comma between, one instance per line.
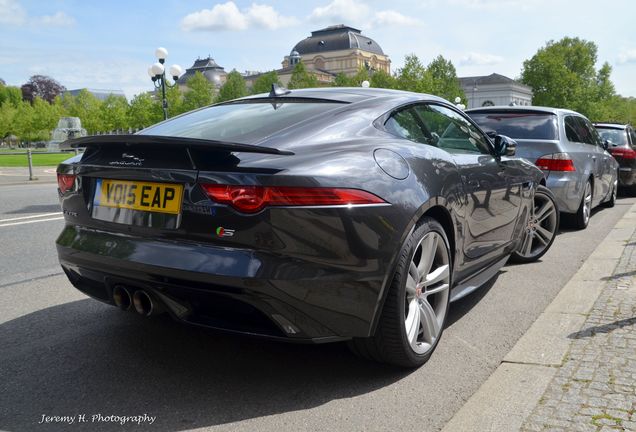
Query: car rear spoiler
x=164, y=141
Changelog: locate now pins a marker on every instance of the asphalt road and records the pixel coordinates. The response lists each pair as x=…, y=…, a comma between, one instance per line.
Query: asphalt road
x=62, y=354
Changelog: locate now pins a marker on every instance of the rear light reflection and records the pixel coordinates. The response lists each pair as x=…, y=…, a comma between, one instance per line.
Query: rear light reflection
x=65, y=182
x=625, y=153
x=555, y=162
x=252, y=199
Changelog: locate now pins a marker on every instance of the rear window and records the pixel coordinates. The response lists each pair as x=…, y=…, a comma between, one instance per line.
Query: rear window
x=617, y=137
x=244, y=123
x=518, y=125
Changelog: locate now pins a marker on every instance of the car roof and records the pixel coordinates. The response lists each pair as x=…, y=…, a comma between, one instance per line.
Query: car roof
x=525, y=108
x=351, y=94
x=610, y=125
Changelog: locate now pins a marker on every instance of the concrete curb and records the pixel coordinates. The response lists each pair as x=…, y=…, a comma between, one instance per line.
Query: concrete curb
x=509, y=395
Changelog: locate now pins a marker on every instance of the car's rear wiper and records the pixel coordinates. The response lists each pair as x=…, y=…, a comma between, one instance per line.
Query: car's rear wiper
x=166, y=141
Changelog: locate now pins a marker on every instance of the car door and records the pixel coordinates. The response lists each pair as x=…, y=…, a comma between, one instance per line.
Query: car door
x=492, y=197
x=582, y=149
x=600, y=158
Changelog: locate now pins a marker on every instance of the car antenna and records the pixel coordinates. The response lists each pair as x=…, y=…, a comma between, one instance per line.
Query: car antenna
x=278, y=91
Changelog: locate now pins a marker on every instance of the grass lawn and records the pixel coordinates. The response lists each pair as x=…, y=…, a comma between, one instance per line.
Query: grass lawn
x=39, y=159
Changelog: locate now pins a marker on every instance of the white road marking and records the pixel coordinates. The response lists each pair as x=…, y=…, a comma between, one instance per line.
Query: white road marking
x=30, y=217
x=30, y=221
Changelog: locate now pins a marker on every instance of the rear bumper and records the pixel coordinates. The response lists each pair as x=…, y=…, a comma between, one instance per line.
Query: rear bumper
x=232, y=289
x=567, y=192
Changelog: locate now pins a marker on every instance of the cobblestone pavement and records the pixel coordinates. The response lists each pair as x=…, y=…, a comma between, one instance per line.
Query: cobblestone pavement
x=595, y=388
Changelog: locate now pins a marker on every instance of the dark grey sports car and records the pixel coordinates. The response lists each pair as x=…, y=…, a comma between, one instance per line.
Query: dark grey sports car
x=312, y=215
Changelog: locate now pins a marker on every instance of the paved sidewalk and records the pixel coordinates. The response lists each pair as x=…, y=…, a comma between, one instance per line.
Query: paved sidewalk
x=595, y=388
x=20, y=175
x=575, y=368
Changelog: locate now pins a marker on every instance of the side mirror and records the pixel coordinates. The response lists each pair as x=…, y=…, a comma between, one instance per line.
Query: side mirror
x=606, y=144
x=505, y=146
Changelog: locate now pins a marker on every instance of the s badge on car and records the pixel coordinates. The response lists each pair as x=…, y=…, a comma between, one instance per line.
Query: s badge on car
x=224, y=232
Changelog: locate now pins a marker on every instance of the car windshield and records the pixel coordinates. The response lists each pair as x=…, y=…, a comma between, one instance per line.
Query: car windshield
x=245, y=123
x=614, y=136
x=518, y=125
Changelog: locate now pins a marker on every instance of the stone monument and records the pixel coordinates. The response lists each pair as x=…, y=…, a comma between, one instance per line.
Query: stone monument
x=67, y=128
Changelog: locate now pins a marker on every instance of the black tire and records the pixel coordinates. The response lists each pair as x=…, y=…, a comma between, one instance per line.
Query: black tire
x=612, y=201
x=543, y=222
x=390, y=342
x=581, y=218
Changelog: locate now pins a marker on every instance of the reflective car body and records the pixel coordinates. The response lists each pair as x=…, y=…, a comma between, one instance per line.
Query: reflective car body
x=309, y=272
x=561, y=142
x=621, y=141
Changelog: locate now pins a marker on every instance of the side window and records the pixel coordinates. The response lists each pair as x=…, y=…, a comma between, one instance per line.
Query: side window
x=404, y=123
x=591, y=133
x=571, y=129
x=451, y=131
x=585, y=131
x=632, y=134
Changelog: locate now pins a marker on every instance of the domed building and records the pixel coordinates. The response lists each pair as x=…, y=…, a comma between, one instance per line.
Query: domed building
x=339, y=49
x=209, y=68
x=330, y=51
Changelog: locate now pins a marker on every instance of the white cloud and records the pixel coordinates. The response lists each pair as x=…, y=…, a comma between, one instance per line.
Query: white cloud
x=480, y=59
x=12, y=13
x=341, y=10
x=391, y=17
x=59, y=19
x=227, y=16
x=627, y=56
x=267, y=17
x=491, y=4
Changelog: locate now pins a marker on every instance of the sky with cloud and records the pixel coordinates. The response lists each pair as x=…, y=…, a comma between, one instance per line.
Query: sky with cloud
x=111, y=44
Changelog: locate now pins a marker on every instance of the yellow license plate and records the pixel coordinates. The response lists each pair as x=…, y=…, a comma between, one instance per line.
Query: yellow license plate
x=134, y=195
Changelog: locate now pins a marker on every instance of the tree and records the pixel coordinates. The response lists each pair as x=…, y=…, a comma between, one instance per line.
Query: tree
x=143, y=111
x=444, y=79
x=381, y=79
x=233, y=88
x=301, y=78
x=199, y=92
x=41, y=86
x=562, y=74
x=263, y=84
x=114, y=113
x=342, y=80
x=87, y=107
x=7, y=119
x=414, y=76
x=10, y=94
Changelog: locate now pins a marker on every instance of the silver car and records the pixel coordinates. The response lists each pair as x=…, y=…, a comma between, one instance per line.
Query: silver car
x=564, y=144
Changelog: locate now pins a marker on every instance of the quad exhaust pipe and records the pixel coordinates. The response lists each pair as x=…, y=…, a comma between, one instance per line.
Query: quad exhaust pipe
x=145, y=304
x=121, y=297
x=140, y=301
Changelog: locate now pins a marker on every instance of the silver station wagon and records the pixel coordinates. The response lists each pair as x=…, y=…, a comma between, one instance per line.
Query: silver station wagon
x=564, y=144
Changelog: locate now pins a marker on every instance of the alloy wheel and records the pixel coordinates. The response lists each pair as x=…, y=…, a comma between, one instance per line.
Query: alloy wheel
x=427, y=291
x=587, y=202
x=541, y=227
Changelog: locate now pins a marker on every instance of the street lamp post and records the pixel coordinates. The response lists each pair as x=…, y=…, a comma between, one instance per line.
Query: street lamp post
x=157, y=73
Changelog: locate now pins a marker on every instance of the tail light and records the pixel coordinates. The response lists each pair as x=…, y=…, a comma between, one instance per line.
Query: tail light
x=252, y=199
x=555, y=162
x=66, y=182
x=625, y=153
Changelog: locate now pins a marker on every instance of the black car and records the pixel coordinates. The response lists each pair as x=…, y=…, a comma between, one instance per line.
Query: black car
x=621, y=143
x=313, y=215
